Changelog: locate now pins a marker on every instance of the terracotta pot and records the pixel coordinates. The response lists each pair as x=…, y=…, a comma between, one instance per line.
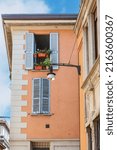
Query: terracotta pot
x=38, y=67
x=42, y=55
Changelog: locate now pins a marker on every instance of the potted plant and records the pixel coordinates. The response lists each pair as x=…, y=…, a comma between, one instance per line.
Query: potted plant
x=44, y=53
x=47, y=62
x=38, y=66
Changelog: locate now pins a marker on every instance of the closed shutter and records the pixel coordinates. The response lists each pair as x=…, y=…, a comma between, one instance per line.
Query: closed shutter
x=29, y=50
x=41, y=96
x=54, y=48
x=36, y=95
x=45, y=101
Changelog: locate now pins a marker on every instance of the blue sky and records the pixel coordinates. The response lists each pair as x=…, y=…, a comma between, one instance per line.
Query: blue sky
x=63, y=6
x=25, y=6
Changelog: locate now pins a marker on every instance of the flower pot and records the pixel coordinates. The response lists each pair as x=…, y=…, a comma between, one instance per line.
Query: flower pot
x=38, y=67
x=42, y=55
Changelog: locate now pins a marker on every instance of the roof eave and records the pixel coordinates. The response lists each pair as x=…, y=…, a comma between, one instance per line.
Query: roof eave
x=39, y=16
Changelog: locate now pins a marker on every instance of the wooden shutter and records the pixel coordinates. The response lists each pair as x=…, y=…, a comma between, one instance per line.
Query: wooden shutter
x=29, y=50
x=45, y=101
x=54, y=48
x=36, y=95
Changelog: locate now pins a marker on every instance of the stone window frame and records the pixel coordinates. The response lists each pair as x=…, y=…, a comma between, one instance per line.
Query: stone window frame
x=90, y=52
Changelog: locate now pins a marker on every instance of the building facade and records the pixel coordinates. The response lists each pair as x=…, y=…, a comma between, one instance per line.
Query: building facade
x=4, y=135
x=87, y=32
x=44, y=113
x=42, y=110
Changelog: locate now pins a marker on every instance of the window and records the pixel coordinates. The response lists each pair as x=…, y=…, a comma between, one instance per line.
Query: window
x=41, y=42
x=86, y=49
x=41, y=52
x=90, y=38
x=89, y=131
x=40, y=145
x=97, y=133
x=36, y=44
x=95, y=33
x=41, y=96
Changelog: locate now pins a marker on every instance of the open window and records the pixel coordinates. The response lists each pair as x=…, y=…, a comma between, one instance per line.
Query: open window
x=42, y=42
x=41, y=56
x=41, y=51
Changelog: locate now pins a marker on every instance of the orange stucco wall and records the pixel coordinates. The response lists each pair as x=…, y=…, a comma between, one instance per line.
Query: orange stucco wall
x=64, y=102
x=83, y=144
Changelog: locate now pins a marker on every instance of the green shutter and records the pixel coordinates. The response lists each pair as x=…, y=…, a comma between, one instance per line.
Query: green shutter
x=45, y=101
x=36, y=95
x=54, y=48
x=29, y=50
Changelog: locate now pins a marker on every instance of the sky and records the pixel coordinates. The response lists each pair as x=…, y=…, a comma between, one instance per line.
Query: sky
x=21, y=7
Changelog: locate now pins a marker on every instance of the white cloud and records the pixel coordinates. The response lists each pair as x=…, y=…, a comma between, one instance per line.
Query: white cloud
x=20, y=7
x=24, y=6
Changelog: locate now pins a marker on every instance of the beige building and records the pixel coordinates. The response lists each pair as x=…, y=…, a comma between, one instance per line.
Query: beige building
x=88, y=38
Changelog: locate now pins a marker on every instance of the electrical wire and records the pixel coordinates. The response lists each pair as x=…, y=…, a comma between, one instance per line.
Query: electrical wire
x=72, y=50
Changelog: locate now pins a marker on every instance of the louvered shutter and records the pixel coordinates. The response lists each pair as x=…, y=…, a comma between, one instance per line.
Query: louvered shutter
x=36, y=95
x=45, y=101
x=54, y=48
x=29, y=50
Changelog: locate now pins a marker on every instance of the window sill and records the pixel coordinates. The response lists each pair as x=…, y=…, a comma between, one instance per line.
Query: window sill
x=46, y=70
x=40, y=114
x=40, y=70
